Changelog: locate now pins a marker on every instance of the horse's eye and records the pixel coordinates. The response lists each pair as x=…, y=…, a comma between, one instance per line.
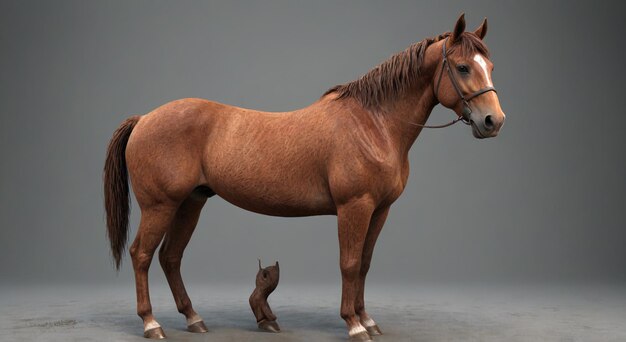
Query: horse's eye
x=462, y=69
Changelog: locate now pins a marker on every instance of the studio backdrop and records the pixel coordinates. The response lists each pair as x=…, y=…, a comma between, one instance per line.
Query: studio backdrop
x=544, y=201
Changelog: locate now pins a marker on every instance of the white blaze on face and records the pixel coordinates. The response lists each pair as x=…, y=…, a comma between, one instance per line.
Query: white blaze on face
x=483, y=65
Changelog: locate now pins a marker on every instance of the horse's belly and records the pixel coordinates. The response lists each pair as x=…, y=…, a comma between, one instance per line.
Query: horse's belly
x=266, y=193
x=276, y=203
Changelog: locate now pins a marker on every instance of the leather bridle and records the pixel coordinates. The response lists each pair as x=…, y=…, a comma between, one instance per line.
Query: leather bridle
x=467, y=110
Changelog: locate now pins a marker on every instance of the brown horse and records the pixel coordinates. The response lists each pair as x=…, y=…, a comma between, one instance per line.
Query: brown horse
x=344, y=155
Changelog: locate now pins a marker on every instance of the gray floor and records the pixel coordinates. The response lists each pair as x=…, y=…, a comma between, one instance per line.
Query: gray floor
x=435, y=312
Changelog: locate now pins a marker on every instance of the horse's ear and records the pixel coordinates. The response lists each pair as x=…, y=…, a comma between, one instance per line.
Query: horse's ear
x=481, y=31
x=459, y=28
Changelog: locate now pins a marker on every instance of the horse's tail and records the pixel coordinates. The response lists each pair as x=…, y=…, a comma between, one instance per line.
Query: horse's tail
x=116, y=192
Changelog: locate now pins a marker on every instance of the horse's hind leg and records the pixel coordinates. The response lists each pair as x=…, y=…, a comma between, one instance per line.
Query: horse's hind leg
x=155, y=222
x=171, y=253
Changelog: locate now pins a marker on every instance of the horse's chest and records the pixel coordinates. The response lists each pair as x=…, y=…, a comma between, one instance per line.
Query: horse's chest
x=392, y=183
x=392, y=190
x=383, y=181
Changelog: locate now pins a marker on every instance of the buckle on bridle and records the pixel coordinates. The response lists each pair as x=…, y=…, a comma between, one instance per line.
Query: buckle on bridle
x=465, y=114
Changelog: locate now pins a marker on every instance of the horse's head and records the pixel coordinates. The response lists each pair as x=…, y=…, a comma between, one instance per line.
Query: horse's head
x=463, y=80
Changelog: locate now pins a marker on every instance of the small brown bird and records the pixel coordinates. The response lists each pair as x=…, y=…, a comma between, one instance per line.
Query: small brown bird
x=266, y=282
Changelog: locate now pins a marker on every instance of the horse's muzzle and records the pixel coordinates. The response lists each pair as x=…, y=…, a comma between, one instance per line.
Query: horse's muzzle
x=487, y=126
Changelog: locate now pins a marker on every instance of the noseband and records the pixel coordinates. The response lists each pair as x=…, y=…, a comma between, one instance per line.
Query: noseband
x=467, y=110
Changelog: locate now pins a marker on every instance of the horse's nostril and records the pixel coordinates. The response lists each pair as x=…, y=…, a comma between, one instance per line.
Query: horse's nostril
x=488, y=122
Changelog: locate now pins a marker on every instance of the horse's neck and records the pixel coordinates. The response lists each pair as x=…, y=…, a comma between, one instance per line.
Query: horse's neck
x=404, y=121
x=405, y=115
x=400, y=119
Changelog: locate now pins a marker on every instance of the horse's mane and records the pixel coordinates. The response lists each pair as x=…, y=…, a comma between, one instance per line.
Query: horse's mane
x=394, y=76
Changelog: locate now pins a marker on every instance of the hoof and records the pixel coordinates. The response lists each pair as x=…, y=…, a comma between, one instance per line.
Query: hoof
x=362, y=336
x=270, y=326
x=197, y=327
x=374, y=330
x=154, y=333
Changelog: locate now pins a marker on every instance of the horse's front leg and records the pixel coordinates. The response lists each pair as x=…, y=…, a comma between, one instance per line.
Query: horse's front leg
x=375, y=226
x=353, y=222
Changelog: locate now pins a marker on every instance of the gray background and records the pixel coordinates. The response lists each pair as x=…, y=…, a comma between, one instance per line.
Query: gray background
x=543, y=202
